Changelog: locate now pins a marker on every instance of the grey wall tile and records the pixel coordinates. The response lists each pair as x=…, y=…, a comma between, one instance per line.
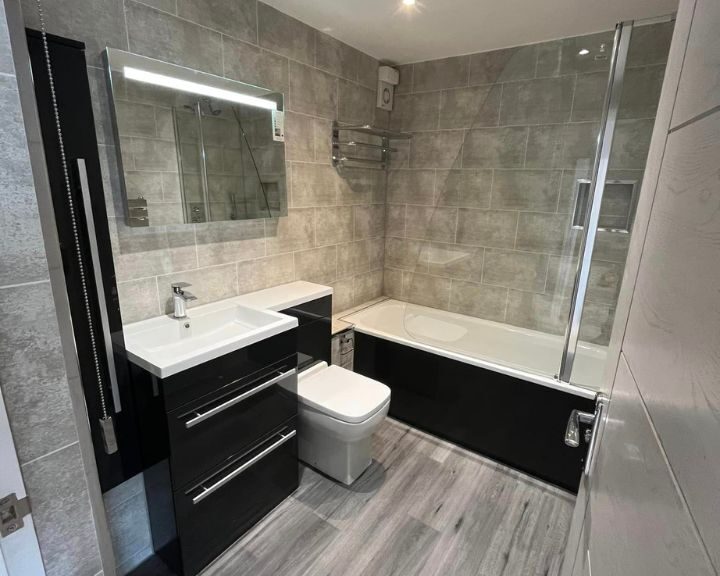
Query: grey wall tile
x=547, y=313
x=209, y=284
x=294, y=232
x=265, y=272
x=550, y=233
x=367, y=287
x=333, y=225
x=285, y=35
x=314, y=185
x=641, y=92
x=393, y=283
x=317, y=265
x=98, y=23
x=411, y=186
x=224, y=242
x=570, y=146
x=427, y=290
x=503, y=65
x=590, y=93
x=519, y=270
x=470, y=107
x=355, y=104
x=436, y=149
x=252, y=65
x=406, y=78
x=453, y=260
x=299, y=137
x=404, y=254
x=631, y=144
x=572, y=62
x=236, y=18
x=495, y=148
x=6, y=62
x=489, y=228
x=163, y=36
x=441, y=74
x=368, y=221
x=543, y=101
x=650, y=44
x=342, y=294
x=353, y=258
x=23, y=258
x=367, y=70
x=138, y=299
x=464, y=188
x=395, y=220
x=416, y=112
x=479, y=300
x=59, y=491
x=32, y=372
x=312, y=91
x=536, y=190
x=431, y=223
x=336, y=57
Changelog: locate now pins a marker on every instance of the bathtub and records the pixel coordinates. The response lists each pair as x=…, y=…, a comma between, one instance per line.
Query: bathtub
x=483, y=385
x=518, y=352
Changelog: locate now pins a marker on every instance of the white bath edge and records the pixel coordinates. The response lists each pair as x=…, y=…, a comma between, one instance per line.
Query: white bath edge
x=513, y=372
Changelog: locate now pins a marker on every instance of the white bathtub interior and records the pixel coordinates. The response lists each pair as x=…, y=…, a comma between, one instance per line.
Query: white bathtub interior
x=493, y=345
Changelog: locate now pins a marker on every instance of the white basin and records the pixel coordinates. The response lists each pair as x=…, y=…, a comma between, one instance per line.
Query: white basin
x=165, y=346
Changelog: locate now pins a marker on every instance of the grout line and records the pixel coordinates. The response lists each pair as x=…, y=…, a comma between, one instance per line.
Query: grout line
x=23, y=284
x=29, y=462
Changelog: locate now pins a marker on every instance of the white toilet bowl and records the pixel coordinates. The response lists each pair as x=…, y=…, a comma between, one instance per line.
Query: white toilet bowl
x=339, y=412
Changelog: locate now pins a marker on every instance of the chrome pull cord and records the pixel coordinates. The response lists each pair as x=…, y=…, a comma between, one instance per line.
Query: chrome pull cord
x=106, y=423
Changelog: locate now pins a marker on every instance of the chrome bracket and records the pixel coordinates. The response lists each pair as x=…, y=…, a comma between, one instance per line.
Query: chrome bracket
x=12, y=512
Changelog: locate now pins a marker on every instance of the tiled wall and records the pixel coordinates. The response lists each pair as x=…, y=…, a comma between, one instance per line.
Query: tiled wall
x=33, y=378
x=334, y=228
x=479, y=203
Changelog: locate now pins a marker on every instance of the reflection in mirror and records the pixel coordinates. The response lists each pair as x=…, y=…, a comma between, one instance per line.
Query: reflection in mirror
x=195, y=147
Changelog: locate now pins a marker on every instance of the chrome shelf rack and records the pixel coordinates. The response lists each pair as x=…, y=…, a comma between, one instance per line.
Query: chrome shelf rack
x=379, y=159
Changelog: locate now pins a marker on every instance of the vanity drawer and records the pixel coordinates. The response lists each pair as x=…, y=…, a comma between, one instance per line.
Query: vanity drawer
x=214, y=376
x=205, y=435
x=215, y=512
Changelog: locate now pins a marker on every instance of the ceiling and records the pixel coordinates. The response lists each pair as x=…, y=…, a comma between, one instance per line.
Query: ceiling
x=439, y=28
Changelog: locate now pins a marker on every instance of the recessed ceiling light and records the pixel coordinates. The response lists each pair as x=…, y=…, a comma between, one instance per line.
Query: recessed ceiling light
x=584, y=52
x=409, y=2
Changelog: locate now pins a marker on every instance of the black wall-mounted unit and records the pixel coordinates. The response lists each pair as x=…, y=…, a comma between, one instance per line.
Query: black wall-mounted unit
x=72, y=90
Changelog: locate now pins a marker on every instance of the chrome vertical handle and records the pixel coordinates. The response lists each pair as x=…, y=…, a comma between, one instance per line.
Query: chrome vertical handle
x=95, y=257
x=592, y=448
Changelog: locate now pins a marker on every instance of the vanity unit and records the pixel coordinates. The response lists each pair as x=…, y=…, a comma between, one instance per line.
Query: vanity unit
x=216, y=397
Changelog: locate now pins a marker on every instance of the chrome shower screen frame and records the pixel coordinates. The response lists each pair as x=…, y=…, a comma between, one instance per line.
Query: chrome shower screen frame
x=621, y=46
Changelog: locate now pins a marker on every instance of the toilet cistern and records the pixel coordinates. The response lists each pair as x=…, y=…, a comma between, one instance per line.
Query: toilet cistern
x=180, y=298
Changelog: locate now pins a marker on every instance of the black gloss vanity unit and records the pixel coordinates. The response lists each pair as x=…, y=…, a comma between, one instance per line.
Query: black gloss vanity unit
x=219, y=448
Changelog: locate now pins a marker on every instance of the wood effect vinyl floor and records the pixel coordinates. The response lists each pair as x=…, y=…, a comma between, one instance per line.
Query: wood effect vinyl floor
x=424, y=507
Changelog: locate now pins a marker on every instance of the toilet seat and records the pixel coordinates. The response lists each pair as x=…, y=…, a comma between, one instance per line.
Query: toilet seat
x=342, y=394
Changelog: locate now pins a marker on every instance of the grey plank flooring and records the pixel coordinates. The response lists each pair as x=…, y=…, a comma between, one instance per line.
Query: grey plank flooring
x=424, y=507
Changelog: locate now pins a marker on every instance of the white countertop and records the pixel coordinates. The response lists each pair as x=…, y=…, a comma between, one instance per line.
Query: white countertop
x=165, y=345
x=284, y=296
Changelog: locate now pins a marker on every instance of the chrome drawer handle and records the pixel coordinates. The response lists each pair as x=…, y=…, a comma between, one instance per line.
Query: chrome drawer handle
x=202, y=416
x=239, y=470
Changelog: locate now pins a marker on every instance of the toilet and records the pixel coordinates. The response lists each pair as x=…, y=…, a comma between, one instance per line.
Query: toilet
x=339, y=411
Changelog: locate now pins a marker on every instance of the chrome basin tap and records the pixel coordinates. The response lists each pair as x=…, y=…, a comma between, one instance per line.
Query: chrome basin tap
x=180, y=297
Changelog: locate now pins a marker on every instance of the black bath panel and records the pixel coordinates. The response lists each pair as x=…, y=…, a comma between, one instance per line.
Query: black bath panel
x=516, y=422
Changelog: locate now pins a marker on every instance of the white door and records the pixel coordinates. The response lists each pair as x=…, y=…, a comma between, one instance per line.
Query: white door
x=19, y=550
x=650, y=505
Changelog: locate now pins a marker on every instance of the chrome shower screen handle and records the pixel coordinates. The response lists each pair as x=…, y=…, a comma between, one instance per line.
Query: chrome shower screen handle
x=99, y=286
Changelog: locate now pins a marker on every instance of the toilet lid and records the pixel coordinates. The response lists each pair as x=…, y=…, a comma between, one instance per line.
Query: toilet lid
x=342, y=394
